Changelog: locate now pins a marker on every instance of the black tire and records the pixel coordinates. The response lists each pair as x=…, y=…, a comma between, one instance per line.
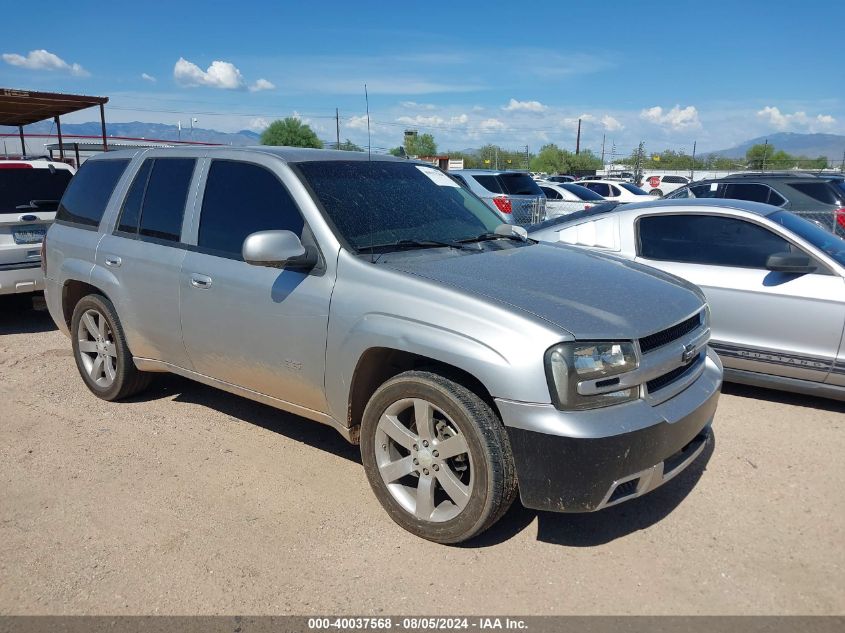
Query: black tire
x=493, y=485
x=128, y=380
x=656, y=192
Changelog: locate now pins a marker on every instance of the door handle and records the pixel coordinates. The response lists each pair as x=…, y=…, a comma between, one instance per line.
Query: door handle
x=113, y=262
x=200, y=281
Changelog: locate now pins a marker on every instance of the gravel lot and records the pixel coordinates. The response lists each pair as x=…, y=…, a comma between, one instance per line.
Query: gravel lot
x=189, y=500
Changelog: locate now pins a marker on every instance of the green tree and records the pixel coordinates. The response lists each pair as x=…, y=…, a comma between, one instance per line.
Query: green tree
x=550, y=159
x=290, y=132
x=397, y=151
x=759, y=156
x=349, y=146
x=420, y=145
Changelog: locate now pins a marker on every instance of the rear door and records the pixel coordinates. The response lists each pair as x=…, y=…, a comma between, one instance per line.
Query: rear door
x=762, y=321
x=256, y=327
x=144, y=255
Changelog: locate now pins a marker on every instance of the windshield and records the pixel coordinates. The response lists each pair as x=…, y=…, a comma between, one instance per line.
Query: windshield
x=632, y=188
x=821, y=238
x=384, y=202
x=21, y=185
x=581, y=192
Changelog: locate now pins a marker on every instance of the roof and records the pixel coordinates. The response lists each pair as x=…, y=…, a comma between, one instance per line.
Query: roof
x=738, y=205
x=22, y=107
x=287, y=154
x=36, y=163
x=69, y=146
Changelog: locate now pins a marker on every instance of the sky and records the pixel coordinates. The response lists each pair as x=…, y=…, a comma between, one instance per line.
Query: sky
x=667, y=73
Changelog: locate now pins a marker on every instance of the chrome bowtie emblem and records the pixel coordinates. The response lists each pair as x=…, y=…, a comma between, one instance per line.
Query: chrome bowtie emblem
x=689, y=353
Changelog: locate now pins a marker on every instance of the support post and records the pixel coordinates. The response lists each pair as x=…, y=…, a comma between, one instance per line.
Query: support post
x=59, y=132
x=103, y=127
x=76, y=153
x=23, y=143
x=578, y=139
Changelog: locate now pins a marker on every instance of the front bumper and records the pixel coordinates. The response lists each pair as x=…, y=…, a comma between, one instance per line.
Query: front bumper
x=19, y=278
x=583, y=461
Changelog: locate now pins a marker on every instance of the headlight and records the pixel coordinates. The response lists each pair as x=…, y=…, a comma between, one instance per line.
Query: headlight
x=568, y=364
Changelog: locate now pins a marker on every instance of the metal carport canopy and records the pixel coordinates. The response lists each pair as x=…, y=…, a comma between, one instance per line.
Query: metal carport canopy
x=23, y=107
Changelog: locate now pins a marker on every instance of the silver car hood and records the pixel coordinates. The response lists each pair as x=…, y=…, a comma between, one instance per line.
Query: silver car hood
x=590, y=295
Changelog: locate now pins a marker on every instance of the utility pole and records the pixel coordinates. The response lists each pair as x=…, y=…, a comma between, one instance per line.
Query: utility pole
x=765, y=151
x=497, y=156
x=578, y=139
x=337, y=123
x=527, y=158
x=603, y=137
x=842, y=169
x=692, y=168
x=638, y=167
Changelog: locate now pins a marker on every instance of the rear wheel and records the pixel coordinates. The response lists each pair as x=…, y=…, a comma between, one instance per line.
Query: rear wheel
x=437, y=457
x=99, y=348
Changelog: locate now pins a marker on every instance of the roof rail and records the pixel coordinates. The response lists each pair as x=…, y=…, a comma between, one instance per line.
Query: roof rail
x=772, y=174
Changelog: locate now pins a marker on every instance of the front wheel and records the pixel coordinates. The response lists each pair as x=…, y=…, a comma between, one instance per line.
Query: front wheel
x=437, y=457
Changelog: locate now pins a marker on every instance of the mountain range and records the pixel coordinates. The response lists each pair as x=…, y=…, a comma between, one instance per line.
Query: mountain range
x=138, y=129
x=831, y=146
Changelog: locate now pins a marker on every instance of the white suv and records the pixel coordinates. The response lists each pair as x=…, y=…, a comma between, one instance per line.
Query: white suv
x=662, y=184
x=30, y=191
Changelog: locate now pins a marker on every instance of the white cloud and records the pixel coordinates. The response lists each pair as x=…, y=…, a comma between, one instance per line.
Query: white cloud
x=611, y=124
x=421, y=120
x=259, y=124
x=525, y=106
x=147, y=77
x=262, y=84
x=491, y=124
x=44, y=60
x=224, y=75
x=477, y=108
x=413, y=105
x=676, y=119
x=800, y=119
x=357, y=122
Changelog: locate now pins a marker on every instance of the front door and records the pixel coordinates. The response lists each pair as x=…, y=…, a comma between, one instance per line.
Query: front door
x=260, y=328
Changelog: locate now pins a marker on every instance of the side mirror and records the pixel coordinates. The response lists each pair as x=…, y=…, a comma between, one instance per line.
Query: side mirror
x=793, y=263
x=278, y=249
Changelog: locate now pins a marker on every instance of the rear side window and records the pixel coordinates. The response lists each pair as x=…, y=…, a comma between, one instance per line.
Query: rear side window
x=242, y=198
x=515, y=184
x=707, y=239
x=551, y=194
x=581, y=192
x=710, y=190
x=820, y=191
x=490, y=183
x=599, y=187
x=89, y=191
x=165, y=197
x=131, y=211
x=747, y=191
x=21, y=185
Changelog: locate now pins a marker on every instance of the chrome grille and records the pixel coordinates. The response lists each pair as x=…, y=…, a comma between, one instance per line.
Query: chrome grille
x=656, y=384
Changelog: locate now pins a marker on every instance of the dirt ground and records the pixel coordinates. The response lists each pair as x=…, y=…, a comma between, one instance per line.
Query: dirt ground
x=189, y=500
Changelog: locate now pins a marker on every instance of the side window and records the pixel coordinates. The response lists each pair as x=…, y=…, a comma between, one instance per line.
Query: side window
x=747, y=191
x=683, y=192
x=461, y=180
x=551, y=194
x=490, y=183
x=776, y=199
x=242, y=198
x=708, y=239
x=706, y=191
x=599, y=187
x=131, y=211
x=615, y=191
x=165, y=198
x=88, y=193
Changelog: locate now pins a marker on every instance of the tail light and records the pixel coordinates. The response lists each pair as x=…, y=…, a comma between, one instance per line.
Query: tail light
x=587, y=206
x=840, y=217
x=44, y=256
x=503, y=204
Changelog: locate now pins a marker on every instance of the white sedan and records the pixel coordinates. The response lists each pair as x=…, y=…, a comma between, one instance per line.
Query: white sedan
x=775, y=282
x=617, y=190
x=566, y=198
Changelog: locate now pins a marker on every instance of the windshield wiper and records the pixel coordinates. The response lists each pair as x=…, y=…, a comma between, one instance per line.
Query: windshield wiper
x=401, y=245
x=486, y=237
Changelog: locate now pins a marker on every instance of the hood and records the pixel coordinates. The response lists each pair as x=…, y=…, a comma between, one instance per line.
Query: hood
x=590, y=295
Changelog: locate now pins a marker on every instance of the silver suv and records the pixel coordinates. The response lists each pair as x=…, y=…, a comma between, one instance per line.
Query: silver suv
x=384, y=300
